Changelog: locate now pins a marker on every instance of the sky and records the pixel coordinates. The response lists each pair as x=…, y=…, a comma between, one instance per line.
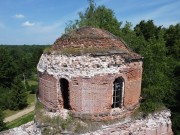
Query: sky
x=43, y=21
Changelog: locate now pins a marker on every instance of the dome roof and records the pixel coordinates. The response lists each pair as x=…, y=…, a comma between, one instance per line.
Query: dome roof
x=89, y=37
x=90, y=40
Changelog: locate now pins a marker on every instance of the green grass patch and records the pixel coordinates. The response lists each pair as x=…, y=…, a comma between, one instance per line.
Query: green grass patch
x=85, y=50
x=92, y=50
x=32, y=82
x=8, y=112
x=22, y=120
x=31, y=99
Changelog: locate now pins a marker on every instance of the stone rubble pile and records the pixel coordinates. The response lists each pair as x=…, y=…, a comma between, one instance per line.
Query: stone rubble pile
x=61, y=113
x=156, y=124
x=26, y=129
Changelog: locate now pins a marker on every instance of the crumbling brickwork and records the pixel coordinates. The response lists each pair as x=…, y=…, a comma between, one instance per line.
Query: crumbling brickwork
x=48, y=90
x=92, y=94
x=90, y=87
x=156, y=124
x=88, y=37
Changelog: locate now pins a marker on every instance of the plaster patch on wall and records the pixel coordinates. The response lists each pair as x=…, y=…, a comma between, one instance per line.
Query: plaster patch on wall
x=85, y=65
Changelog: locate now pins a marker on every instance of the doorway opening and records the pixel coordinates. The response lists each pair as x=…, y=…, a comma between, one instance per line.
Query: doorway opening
x=118, y=92
x=65, y=92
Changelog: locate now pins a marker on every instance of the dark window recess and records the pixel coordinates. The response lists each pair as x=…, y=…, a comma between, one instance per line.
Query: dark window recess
x=117, y=94
x=65, y=92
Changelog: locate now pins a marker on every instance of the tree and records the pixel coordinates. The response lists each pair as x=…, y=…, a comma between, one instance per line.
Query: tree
x=7, y=68
x=147, y=29
x=156, y=85
x=172, y=38
x=18, y=95
x=99, y=17
x=129, y=36
x=2, y=124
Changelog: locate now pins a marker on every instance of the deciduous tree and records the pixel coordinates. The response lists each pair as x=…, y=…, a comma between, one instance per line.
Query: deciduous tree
x=18, y=95
x=2, y=124
x=99, y=17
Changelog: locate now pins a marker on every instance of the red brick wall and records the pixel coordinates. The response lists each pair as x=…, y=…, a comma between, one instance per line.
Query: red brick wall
x=92, y=95
x=97, y=94
x=76, y=94
x=48, y=90
x=89, y=42
x=133, y=84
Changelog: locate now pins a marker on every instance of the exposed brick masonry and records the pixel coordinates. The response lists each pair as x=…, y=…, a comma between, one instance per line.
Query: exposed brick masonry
x=88, y=84
x=156, y=124
x=95, y=76
x=90, y=88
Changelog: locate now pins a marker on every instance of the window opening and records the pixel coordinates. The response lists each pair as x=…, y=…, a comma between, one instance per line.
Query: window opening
x=65, y=92
x=117, y=93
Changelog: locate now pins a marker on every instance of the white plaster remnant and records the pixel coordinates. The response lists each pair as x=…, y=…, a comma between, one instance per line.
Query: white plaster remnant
x=85, y=65
x=64, y=113
x=25, y=129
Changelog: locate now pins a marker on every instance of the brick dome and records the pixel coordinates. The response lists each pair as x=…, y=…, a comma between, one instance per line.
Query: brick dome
x=92, y=40
x=94, y=75
x=89, y=37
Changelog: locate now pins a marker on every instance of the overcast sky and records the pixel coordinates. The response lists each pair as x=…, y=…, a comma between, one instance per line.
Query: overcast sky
x=43, y=21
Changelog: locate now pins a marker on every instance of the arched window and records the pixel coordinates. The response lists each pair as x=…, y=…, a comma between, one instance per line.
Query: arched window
x=118, y=92
x=65, y=92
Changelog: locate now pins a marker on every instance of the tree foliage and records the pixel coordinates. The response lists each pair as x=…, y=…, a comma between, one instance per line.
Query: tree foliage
x=18, y=95
x=2, y=124
x=172, y=37
x=147, y=29
x=156, y=85
x=99, y=17
x=159, y=46
x=7, y=69
x=17, y=61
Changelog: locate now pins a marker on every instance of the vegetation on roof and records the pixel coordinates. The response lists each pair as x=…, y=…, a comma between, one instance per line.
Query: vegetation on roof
x=82, y=51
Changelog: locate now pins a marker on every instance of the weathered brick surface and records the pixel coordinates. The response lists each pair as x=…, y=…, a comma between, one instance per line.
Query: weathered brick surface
x=88, y=37
x=91, y=76
x=48, y=90
x=93, y=95
x=133, y=84
x=76, y=94
x=156, y=124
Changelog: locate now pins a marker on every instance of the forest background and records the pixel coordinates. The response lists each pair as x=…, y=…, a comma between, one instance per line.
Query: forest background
x=159, y=46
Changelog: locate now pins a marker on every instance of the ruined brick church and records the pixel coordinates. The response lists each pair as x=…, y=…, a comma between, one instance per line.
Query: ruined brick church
x=91, y=73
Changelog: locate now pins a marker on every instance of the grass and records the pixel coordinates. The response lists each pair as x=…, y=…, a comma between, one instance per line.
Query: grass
x=22, y=120
x=30, y=100
x=57, y=125
x=86, y=50
x=8, y=112
x=32, y=82
x=28, y=117
x=93, y=50
x=50, y=125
